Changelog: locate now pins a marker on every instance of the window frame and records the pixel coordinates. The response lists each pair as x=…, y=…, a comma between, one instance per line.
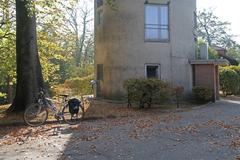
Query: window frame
x=153, y=65
x=168, y=26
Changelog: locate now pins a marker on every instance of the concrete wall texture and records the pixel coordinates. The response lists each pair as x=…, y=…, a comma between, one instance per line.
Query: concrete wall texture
x=121, y=47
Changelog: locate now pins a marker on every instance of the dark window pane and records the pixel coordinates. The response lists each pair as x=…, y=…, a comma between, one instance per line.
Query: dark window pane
x=99, y=3
x=152, y=72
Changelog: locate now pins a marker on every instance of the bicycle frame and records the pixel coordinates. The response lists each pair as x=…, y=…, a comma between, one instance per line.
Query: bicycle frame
x=48, y=103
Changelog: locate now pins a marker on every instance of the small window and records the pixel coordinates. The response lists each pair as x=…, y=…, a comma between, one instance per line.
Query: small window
x=99, y=17
x=153, y=71
x=100, y=72
x=156, y=22
x=99, y=3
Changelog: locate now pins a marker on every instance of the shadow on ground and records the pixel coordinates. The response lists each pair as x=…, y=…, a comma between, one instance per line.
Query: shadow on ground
x=210, y=132
x=207, y=132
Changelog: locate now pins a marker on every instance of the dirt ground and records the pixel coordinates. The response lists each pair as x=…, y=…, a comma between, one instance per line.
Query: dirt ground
x=206, y=132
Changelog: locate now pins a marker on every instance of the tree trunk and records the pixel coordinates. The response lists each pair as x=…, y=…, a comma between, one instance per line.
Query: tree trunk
x=29, y=74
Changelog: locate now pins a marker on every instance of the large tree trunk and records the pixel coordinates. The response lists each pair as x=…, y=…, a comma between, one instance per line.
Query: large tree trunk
x=29, y=74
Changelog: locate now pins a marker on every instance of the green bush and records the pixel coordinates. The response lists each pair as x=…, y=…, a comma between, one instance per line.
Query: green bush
x=80, y=86
x=3, y=95
x=146, y=91
x=74, y=86
x=177, y=93
x=212, y=53
x=235, y=68
x=229, y=80
x=202, y=94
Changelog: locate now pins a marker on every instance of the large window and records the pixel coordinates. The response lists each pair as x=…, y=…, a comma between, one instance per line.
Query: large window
x=156, y=22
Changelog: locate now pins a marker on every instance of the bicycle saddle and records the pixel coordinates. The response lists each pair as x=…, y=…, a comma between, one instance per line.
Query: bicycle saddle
x=63, y=95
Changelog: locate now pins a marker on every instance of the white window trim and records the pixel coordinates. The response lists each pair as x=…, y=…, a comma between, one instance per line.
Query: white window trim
x=153, y=65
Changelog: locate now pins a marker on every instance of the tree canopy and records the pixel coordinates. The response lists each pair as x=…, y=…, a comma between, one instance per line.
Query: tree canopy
x=213, y=30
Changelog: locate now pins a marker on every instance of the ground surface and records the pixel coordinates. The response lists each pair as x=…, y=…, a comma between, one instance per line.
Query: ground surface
x=211, y=132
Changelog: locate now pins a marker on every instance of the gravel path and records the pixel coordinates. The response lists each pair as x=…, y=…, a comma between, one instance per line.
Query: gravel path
x=207, y=133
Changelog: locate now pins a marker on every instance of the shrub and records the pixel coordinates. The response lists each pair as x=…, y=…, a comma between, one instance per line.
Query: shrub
x=75, y=86
x=202, y=94
x=178, y=94
x=59, y=89
x=212, y=53
x=3, y=95
x=229, y=80
x=80, y=86
x=235, y=68
x=145, y=91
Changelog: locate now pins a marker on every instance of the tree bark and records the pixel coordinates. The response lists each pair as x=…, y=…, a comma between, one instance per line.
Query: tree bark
x=29, y=74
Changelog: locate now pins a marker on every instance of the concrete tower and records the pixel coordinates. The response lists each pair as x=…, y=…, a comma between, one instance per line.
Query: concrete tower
x=140, y=38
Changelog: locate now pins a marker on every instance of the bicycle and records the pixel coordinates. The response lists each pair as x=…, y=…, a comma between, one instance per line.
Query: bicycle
x=37, y=113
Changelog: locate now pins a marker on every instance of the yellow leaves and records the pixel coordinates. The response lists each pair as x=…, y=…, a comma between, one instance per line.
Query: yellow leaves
x=3, y=95
x=20, y=135
x=235, y=143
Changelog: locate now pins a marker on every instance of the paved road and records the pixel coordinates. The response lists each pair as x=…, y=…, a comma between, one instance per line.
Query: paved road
x=211, y=132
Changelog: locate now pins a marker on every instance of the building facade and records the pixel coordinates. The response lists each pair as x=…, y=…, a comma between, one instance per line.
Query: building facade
x=139, y=38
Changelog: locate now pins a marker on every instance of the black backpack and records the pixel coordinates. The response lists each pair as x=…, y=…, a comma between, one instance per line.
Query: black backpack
x=74, y=105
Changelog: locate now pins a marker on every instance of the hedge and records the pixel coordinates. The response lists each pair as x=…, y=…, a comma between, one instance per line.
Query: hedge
x=230, y=80
x=202, y=94
x=147, y=91
x=75, y=86
x=80, y=86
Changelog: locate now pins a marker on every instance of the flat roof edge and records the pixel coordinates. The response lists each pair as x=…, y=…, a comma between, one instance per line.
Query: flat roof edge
x=222, y=62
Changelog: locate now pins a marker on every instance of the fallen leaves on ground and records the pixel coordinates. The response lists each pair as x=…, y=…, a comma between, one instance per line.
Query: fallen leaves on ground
x=235, y=143
x=19, y=135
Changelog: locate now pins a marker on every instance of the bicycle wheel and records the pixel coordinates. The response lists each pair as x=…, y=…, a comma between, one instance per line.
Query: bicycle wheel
x=72, y=118
x=35, y=115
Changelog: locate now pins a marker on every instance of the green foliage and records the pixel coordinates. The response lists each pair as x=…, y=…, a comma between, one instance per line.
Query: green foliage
x=177, y=92
x=147, y=91
x=235, y=68
x=234, y=53
x=3, y=95
x=56, y=41
x=50, y=52
x=213, y=30
x=112, y=4
x=7, y=43
x=83, y=71
x=212, y=53
x=230, y=80
x=80, y=86
x=202, y=94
